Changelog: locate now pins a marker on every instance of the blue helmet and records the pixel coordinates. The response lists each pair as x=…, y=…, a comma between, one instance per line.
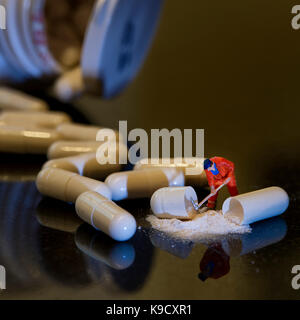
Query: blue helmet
x=207, y=163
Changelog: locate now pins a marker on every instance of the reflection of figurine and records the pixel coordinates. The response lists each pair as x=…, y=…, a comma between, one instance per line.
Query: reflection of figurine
x=214, y=263
x=218, y=171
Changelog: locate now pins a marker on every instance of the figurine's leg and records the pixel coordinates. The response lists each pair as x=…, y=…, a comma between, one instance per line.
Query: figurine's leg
x=211, y=204
x=232, y=187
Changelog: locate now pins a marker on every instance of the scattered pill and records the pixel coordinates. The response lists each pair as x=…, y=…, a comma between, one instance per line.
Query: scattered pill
x=48, y=120
x=192, y=168
x=69, y=85
x=67, y=186
x=82, y=132
x=142, y=183
x=257, y=205
x=21, y=140
x=84, y=164
x=103, y=214
x=114, y=254
x=174, y=202
x=11, y=99
x=67, y=148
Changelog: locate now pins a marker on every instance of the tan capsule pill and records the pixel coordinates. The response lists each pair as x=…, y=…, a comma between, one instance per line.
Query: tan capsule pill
x=82, y=132
x=67, y=186
x=103, y=214
x=20, y=140
x=142, y=183
x=49, y=120
x=192, y=168
x=11, y=99
x=85, y=165
x=66, y=148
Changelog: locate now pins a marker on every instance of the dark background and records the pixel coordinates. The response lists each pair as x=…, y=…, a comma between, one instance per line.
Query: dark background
x=230, y=67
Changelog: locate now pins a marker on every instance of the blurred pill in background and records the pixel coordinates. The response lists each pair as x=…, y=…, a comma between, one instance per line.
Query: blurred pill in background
x=15, y=100
x=67, y=148
x=47, y=120
x=83, y=132
x=15, y=139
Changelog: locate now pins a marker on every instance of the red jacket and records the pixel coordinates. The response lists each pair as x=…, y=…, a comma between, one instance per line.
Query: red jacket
x=225, y=168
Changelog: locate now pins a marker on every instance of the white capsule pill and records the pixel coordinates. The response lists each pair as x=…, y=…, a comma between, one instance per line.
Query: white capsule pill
x=174, y=202
x=21, y=140
x=192, y=168
x=117, y=255
x=105, y=215
x=66, y=148
x=70, y=85
x=49, y=120
x=84, y=164
x=142, y=183
x=257, y=205
x=82, y=132
x=67, y=186
x=11, y=99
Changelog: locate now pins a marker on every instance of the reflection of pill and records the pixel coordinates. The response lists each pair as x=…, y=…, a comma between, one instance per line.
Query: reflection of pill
x=84, y=164
x=103, y=214
x=116, y=255
x=21, y=140
x=174, y=202
x=15, y=100
x=142, y=183
x=74, y=131
x=257, y=205
x=263, y=234
x=65, y=148
x=48, y=120
x=67, y=186
x=57, y=215
x=192, y=168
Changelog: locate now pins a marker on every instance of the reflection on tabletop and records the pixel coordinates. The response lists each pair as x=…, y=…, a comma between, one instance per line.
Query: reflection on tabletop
x=215, y=262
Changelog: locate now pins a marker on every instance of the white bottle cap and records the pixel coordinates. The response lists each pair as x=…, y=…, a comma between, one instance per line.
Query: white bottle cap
x=117, y=40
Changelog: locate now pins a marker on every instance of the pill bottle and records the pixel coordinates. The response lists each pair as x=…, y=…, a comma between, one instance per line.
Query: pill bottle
x=107, y=39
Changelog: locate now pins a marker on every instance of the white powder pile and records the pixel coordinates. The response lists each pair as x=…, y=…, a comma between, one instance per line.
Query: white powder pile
x=205, y=225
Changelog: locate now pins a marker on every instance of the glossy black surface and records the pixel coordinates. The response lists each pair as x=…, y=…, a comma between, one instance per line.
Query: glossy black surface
x=230, y=68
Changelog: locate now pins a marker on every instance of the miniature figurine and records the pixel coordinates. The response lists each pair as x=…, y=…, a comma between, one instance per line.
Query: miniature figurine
x=219, y=171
